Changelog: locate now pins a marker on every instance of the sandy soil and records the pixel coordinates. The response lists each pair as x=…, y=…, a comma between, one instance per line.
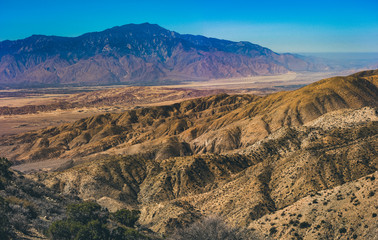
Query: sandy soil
x=22, y=123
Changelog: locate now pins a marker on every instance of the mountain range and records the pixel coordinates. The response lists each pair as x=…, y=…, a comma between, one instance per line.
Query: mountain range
x=138, y=54
x=298, y=164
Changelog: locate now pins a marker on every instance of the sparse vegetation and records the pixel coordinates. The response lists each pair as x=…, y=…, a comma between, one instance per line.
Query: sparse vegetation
x=126, y=217
x=213, y=228
x=87, y=220
x=5, y=174
x=249, y=184
x=4, y=221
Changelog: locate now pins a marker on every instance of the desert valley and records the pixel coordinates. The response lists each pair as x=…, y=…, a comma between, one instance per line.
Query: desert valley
x=138, y=132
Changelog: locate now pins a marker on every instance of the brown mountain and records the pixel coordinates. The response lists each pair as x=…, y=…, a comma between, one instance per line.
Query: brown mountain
x=273, y=176
x=299, y=164
x=213, y=124
x=137, y=54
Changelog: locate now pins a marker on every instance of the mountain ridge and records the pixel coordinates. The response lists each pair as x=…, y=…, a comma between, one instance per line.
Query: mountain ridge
x=137, y=54
x=214, y=124
x=296, y=164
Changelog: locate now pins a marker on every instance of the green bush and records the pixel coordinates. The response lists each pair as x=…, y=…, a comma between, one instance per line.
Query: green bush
x=86, y=212
x=85, y=221
x=122, y=233
x=64, y=229
x=126, y=217
x=94, y=230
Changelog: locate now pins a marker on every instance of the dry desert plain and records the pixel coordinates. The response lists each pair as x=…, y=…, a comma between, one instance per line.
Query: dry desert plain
x=24, y=110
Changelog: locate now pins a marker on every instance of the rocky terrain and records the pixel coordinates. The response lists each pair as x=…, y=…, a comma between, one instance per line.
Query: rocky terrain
x=337, y=213
x=28, y=208
x=141, y=54
x=214, y=124
x=299, y=164
x=128, y=97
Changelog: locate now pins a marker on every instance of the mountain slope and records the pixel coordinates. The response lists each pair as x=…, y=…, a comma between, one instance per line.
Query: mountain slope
x=337, y=213
x=213, y=124
x=137, y=54
x=270, y=175
x=299, y=156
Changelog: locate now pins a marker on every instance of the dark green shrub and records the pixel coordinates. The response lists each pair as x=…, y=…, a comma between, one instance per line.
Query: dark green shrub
x=64, y=229
x=304, y=225
x=84, y=221
x=272, y=230
x=5, y=174
x=94, y=230
x=4, y=222
x=86, y=212
x=126, y=217
x=123, y=233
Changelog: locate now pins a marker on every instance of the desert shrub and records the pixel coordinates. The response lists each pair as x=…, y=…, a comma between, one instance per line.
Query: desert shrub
x=123, y=233
x=5, y=174
x=213, y=228
x=64, y=229
x=84, y=221
x=19, y=220
x=68, y=229
x=93, y=230
x=126, y=217
x=86, y=212
x=4, y=222
x=29, y=209
x=272, y=230
x=4, y=167
x=304, y=225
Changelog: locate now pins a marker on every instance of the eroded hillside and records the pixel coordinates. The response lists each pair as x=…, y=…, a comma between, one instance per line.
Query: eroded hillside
x=257, y=161
x=270, y=175
x=214, y=124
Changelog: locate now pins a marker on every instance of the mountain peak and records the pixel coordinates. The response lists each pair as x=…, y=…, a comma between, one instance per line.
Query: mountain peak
x=136, y=54
x=140, y=27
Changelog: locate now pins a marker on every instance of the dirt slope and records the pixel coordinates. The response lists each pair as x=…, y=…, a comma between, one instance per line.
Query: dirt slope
x=212, y=124
x=270, y=175
x=246, y=158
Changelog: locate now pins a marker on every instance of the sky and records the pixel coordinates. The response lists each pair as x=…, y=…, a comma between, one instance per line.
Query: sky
x=283, y=26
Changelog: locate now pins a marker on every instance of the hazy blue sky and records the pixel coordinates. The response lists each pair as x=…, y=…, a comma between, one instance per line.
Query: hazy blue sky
x=283, y=26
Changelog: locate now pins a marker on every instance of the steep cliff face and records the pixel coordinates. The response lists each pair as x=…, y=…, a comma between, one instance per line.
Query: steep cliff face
x=136, y=54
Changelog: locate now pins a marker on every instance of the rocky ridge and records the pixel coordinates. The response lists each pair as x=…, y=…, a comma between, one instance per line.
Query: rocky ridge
x=256, y=161
x=212, y=124
x=138, y=54
x=243, y=187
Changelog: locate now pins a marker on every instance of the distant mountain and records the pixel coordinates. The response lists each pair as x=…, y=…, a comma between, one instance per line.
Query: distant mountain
x=137, y=54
